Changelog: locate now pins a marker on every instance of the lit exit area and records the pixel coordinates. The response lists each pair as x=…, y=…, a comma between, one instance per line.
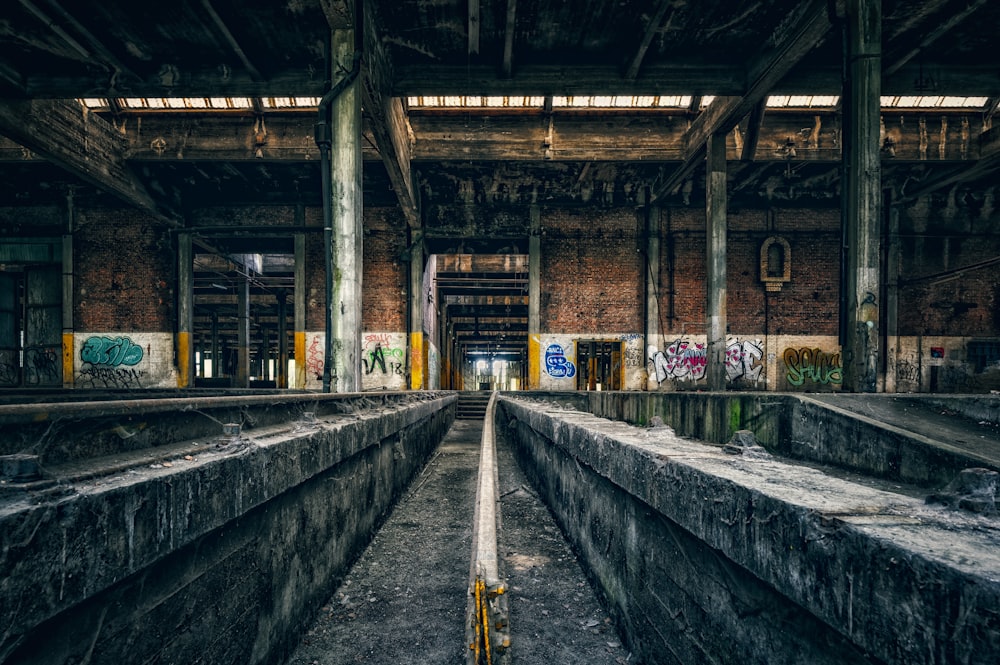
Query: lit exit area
x=482, y=311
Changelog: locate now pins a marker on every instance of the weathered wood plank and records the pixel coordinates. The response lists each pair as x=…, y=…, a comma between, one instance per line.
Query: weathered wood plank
x=82, y=143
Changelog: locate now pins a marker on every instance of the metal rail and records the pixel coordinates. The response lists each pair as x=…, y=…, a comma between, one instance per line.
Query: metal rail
x=488, y=618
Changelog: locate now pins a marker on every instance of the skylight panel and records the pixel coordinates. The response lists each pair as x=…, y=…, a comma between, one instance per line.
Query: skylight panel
x=802, y=101
x=94, y=102
x=933, y=101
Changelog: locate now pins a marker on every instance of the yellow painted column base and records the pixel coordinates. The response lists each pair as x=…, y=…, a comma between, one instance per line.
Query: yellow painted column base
x=417, y=356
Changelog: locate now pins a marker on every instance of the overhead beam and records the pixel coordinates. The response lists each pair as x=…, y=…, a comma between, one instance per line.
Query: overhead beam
x=765, y=72
x=752, y=137
x=80, y=142
x=988, y=163
x=647, y=38
x=952, y=21
x=473, y=27
x=223, y=29
x=387, y=119
x=508, y=41
x=691, y=76
x=635, y=137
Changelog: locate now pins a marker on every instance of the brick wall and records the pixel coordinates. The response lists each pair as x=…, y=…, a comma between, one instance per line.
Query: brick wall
x=385, y=278
x=591, y=274
x=125, y=273
x=807, y=304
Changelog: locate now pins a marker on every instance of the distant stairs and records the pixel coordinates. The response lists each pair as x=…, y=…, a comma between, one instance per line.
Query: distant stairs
x=472, y=404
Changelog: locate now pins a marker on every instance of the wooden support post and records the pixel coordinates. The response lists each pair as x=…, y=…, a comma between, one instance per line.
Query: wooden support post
x=715, y=262
x=346, y=202
x=863, y=201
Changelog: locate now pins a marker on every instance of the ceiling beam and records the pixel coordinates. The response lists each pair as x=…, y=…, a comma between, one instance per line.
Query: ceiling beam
x=752, y=137
x=791, y=45
x=234, y=45
x=953, y=20
x=508, y=40
x=647, y=38
x=988, y=164
x=387, y=119
x=641, y=137
x=473, y=27
x=80, y=142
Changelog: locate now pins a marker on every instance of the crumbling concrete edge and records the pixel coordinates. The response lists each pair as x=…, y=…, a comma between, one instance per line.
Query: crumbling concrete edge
x=67, y=547
x=904, y=581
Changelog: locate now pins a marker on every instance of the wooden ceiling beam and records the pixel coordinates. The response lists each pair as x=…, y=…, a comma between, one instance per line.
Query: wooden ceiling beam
x=765, y=72
x=752, y=137
x=952, y=21
x=387, y=119
x=231, y=40
x=647, y=38
x=473, y=27
x=582, y=138
x=507, y=68
x=80, y=142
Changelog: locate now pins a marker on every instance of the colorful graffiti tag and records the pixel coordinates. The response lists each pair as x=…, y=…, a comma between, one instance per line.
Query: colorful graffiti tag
x=743, y=360
x=111, y=351
x=557, y=364
x=315, y=357
x=812, y=365
x=682, y=361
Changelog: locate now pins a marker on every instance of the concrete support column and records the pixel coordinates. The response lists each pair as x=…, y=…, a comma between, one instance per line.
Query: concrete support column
x=243, y=334
x=416, y=310
x=185, y=311
x=863, y=201
x=67, y=295
x=216, y=349
x=281, y=375
x=299, y=307
x=534, y=298
x=346, y=202
x=652, y=288
x=715, y=262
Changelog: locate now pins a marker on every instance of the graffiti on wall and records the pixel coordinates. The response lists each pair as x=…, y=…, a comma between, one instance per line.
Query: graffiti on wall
x=314, y=358
x=682, y=361
x=743, y=360
x=110, y=362
x=557, y=364
x=41, y=365
x=632, y=344
x=110, y=351
x=8, y=368
x=814, y=365
x=377, y=354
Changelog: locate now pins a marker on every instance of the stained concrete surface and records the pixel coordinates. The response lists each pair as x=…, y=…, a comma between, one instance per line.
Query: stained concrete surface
x=404, y=600
x=929, y=418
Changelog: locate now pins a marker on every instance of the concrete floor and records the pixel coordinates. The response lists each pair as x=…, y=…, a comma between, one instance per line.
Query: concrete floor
x=404, y=600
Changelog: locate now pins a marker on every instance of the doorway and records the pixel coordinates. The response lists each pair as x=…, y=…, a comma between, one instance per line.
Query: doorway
x=599, y=364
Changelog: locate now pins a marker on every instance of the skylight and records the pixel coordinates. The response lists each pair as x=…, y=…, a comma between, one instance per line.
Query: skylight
x=933, y=102
x=483, y=102
x=802, y=101
x=474, y=101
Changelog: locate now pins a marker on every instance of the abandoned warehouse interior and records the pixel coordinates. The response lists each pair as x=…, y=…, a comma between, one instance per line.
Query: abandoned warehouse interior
x=646, y=195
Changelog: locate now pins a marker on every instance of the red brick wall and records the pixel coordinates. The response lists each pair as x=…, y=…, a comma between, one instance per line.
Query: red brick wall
x=315, y=271
x=808, y=304
x=937, y=235
x=125, y=273
x=383, y=306
x=591, y=274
